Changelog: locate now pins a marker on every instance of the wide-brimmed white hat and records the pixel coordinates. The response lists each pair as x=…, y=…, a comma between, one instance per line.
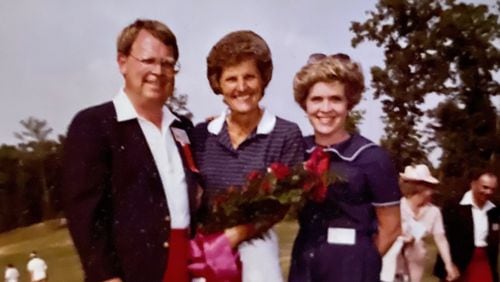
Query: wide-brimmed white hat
x=418, y=172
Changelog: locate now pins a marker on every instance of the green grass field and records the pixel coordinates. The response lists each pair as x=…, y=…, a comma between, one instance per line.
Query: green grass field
x=52, y=242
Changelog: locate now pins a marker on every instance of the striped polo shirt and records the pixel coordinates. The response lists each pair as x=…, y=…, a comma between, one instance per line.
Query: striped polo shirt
x=222, y=166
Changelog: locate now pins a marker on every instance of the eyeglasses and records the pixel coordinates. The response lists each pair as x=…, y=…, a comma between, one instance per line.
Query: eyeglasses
x=168, y=64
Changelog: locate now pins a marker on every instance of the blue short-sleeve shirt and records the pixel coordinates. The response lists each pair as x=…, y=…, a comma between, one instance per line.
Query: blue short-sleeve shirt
x=222, y=166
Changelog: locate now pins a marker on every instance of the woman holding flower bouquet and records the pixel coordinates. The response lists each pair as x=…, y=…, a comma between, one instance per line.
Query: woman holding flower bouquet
x=343, y=237
x=244, y=138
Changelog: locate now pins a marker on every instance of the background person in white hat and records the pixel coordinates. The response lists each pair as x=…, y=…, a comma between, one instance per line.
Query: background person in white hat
x=420, y=219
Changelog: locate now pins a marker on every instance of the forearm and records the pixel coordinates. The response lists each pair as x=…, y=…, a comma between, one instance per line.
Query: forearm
x=443, y=248
x=386, y=238
x=389, y=227
x=116, y=279
x=241, y=233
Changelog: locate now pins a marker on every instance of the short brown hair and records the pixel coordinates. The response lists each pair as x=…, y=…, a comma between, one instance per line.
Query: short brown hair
x=235, y=48
x=156, y=28
x=322, y=68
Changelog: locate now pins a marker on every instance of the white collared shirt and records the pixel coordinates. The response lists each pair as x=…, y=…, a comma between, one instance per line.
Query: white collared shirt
x=480, y=219
x=265, y=126
x=166, y=157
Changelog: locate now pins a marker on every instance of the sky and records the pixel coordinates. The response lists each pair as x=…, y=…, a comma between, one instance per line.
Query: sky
x=59, y=56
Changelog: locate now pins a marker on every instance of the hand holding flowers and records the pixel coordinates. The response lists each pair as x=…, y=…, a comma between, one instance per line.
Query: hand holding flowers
x=267, y=196
x=242, y=213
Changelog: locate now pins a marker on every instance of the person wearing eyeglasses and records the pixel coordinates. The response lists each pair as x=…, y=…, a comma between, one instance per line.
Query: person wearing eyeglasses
x=342, y=239
x=129, y=182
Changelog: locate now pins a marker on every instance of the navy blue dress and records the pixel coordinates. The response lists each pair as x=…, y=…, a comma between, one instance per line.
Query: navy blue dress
x=320, y=253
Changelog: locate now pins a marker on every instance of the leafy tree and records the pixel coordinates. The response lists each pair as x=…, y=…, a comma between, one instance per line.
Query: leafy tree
x=34, y=130
x=353, y=120
x=439, y=47
x=38, y=157
x=10, y=196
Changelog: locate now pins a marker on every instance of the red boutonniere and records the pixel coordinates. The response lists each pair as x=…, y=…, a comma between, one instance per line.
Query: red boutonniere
x=182, y=138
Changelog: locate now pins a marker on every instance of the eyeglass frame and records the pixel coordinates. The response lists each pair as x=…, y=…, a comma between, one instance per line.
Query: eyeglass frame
x=166, y=64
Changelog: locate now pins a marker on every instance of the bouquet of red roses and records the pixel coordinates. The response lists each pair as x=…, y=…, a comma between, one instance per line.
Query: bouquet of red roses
x=270, y=194
x=265, y=197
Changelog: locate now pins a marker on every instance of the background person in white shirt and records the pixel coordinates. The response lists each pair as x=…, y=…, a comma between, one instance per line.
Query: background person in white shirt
x=37, y=268
x=11, y=273
x=472, y=228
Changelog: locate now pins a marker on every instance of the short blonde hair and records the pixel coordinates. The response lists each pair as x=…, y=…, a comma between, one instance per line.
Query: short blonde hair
x=322, y=68
x=156, y=28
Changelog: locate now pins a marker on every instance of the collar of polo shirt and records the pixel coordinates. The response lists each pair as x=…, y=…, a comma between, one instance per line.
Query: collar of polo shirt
x=266, y=124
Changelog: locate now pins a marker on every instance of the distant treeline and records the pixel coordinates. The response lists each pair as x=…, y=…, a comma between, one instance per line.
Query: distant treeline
x=28, y=179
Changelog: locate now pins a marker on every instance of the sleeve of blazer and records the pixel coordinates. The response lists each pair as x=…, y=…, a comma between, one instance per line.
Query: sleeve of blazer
x=86, y=194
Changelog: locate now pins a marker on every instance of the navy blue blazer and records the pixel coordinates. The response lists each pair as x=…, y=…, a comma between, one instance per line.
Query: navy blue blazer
x=114, y=199
x=459, y=227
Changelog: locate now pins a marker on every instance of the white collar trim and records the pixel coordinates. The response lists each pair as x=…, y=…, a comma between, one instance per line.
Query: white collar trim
x=265, y=126
x=345, y=158
x=126, y=111
x=467, y=200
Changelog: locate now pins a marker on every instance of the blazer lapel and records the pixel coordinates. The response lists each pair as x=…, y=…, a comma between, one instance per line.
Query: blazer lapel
x=465, y=213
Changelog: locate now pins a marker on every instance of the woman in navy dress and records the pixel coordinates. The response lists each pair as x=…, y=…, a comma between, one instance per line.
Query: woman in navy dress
x=244, y=138
x=343, y=238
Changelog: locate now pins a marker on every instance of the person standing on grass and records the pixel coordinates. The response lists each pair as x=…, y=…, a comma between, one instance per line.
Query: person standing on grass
x=129, y=183
x=245, y=137
x=11, y=273
x=338, y=240
x=37, y=268
x=421, y=220
x=472, y=226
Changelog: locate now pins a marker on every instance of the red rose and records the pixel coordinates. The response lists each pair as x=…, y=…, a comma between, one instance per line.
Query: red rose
x=318, y=162
x=219, y=200
x=279, y=170
x=254, y=175
x=265, y=186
